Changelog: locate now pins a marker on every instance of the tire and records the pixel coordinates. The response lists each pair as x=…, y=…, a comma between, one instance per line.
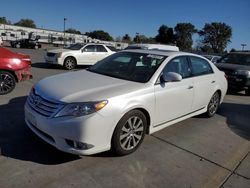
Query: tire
x=247, y=91
x=36, y=47
x=69, y=63
x=213, y=104
x=7, y=82
x=129, y=133
x=18, y=45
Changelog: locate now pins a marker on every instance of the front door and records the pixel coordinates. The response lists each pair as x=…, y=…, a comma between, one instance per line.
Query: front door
x=174, y=99
x=87, y=55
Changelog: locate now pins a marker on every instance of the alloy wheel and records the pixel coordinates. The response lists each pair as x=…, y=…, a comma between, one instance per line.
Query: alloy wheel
x=214, y=103
x=70, y=63
x=131, y=133
x=7, y=83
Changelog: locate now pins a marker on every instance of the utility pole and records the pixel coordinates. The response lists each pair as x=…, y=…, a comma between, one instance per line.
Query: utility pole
x=243, y=45
x=64, y=23
x=137, y=37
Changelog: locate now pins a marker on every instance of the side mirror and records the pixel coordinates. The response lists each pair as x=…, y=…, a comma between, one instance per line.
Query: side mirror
x=171, y=77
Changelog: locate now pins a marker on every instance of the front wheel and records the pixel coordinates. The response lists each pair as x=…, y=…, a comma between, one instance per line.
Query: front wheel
x=129, y=133
x=7, y=82
x=69, y=63
x=213, y=104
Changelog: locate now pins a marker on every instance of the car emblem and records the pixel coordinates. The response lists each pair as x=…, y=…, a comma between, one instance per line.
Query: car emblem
x=36, y=100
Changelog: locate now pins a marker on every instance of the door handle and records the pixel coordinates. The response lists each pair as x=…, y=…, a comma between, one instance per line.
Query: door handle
x=190, y=87
x=213, y=82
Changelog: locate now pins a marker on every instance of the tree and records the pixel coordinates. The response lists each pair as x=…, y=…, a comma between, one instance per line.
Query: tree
x=73, y=31
x=3, y=20
x=143, y=39
x=165, y=35
x=126, y=38
x=99, y=34
x=233, y=50
x=118, y=39
x=26, y=23
x=183, y=34
x=216, y=36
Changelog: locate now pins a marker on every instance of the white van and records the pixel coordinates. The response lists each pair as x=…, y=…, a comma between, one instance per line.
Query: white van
x=153, y=47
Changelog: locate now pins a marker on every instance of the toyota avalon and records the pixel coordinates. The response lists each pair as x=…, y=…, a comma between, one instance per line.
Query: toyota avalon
x=114, y=103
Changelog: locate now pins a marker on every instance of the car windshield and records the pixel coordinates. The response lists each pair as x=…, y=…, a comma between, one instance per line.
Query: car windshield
x=234, y=58
x=138, y=67
x=75, y=47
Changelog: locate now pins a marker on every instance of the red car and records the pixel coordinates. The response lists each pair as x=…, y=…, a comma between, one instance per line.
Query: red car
x=14, y=68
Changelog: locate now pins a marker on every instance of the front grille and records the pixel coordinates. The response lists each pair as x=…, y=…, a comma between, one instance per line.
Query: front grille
x=49, y=54
x=43, y=106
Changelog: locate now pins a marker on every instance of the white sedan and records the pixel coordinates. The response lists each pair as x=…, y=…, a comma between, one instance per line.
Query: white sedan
x=114, y=103
x=79, y=54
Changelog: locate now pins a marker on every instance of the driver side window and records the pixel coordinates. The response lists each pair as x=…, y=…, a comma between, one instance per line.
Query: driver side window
x=178, y=65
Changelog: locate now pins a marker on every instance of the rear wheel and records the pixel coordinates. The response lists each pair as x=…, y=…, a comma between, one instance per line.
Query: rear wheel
x=213, y=104
x=18, y=45
x=36, y=47
x=70, y=63
x=129, y=133
x=7, y=82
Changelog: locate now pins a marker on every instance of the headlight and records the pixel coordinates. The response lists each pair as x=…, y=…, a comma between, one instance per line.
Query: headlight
x=16, y=61
x=58, y=55
x=242, y=72
x=81, y=109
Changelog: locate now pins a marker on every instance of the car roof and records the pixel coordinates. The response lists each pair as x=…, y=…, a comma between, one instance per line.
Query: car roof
x=160, y=52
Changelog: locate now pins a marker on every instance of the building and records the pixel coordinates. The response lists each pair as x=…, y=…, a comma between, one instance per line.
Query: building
x=56, y=38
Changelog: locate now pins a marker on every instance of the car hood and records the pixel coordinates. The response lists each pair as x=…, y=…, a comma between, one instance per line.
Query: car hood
x=58, y=50
x=229, y=66
x=83, y=86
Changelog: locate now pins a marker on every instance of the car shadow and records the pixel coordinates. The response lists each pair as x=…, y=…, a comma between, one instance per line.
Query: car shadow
x=44, y=65
x=237, y=118
x=236, y=93
x=17, y=141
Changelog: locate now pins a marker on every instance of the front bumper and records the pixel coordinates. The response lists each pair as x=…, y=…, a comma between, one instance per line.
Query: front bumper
x=53, y=60
x=93, y=130
x=238, y=82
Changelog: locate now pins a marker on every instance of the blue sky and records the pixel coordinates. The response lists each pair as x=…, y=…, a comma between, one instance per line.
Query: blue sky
x=119, y=17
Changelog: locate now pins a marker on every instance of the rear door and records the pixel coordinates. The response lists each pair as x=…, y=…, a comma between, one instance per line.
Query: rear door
x=174, y=99
x=204, y=82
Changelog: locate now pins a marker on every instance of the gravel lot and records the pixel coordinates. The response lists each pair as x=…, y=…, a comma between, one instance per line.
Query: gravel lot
x=197, y=152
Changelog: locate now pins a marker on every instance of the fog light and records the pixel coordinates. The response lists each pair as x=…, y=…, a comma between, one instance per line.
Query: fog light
x=78, y=145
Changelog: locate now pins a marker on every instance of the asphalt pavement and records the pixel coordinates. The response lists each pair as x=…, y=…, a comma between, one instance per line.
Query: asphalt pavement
x=198, y=152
